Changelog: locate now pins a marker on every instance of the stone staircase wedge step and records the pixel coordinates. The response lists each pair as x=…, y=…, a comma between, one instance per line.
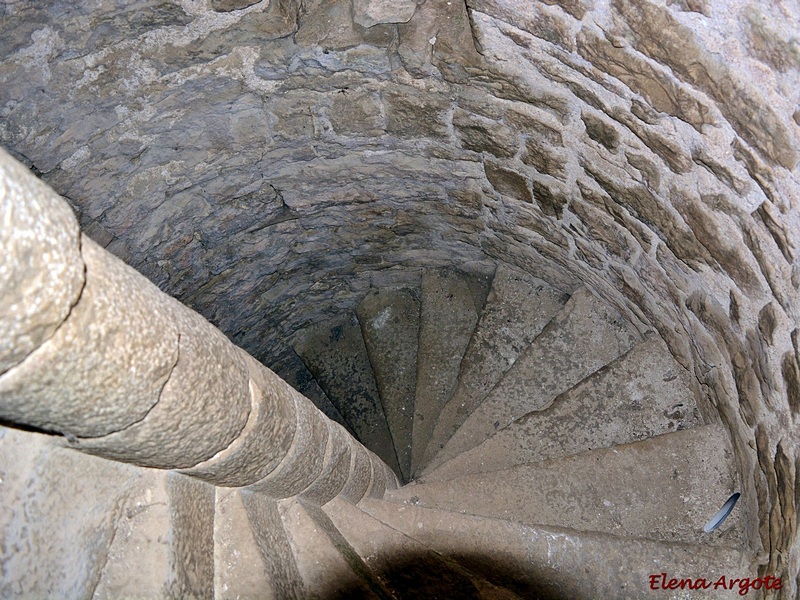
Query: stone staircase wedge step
x=664, y=488
x=517, y=309
x=293, y=371
x=390, y=326
x=327, y=564
x=336, y=356
x=584, y=336
x=448, y=315
x=641, y=394
x=554, y=563
x=406, y=567
x=252, y=555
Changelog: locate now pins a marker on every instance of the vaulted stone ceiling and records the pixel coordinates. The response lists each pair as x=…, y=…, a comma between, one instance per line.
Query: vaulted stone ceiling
x=266, y=162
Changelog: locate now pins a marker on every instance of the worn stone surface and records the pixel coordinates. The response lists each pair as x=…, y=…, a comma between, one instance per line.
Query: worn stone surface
x=360, y=479
x=60, y=513
x=663, y=488
x=239, y=569
x=517, y=309
x=265, y=439
x=42, y=274
x=292, y=370
x=336, y=469
x=201, y=147
x=448, y=317
x=274, y=545
x=642, y=394
x=389, y=322
x=107, y=365
x=584, y=336
x=305, y=459
x=542, y=562
x=336, y=355
x=373, y=12
x=403, y=565
x=327, y=564
x=202, y=408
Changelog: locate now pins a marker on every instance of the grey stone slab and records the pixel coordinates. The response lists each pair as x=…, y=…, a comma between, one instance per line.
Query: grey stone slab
x=60, y=511
x=547, y=562
x=276, y=554
x=447, y=319
x=336, y=469
x=517, y=309
x=406, y=567
x=305, y=460
x=641, y=394
x=191, y=515
x=106, y=366
x=390, y=326
x=585, y=335
x=335, y=354
x=292, y=370
x=328, y=565
x=240, y=571
x=663, y=488
x=360, y=478
x=42, y=272
x=266, y=437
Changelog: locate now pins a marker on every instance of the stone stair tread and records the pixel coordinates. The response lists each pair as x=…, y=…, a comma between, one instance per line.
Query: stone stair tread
x=389, y=321
x=406, y=567
x=448, y=315
x=517, y=309
x=584, y=336
x=78, y=526
x=556, y=563
x=327, y=564
x=294, y=372
x=641, y=394
x=664, y=488
x=253, y=557
x=335, y=354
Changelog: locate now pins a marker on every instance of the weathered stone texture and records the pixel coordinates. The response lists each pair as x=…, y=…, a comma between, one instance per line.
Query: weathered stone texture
x=42, y=273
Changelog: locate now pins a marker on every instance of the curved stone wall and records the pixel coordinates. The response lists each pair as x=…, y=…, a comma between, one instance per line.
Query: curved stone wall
x=267, y=163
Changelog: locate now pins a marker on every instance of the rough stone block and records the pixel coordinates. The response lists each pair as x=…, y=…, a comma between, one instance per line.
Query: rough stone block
x=336, y=470
x=106, y=366
x=410, y=113
x=508, y=182
x=265, y=439
x=484, y=135
x=42, y=272
x=360, y=478
x=306, y=457
x=374, y=12
x=202, y=409
x=389, y=322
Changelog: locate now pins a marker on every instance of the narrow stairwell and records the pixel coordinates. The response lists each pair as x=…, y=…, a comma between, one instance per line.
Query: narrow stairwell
x=555, y=450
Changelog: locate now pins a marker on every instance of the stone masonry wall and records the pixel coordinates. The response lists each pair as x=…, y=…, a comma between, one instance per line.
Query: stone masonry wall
x=267, y=163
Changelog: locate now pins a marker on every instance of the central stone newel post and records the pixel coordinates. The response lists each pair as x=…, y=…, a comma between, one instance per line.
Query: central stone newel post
x=92, y=350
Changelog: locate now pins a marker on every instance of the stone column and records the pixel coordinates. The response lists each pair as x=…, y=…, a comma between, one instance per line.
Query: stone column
x=91, y=350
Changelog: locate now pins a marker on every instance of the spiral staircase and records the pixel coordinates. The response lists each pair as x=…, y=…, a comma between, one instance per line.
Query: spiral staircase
x=551, y=449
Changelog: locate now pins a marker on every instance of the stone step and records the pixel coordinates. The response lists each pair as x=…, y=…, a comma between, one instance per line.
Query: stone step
x=641, y=394
x=253, y=557
x=78, y=526
x=664, y=488
x=547, y=562
x=517, y=309
x=335, y=354
x=448, y=316
x=584, y=336
x=293, y=371
x=328, y=565
x=406, y=567
x=390, y=325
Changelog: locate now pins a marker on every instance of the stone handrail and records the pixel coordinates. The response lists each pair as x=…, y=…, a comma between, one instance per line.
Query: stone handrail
x=92, y=350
